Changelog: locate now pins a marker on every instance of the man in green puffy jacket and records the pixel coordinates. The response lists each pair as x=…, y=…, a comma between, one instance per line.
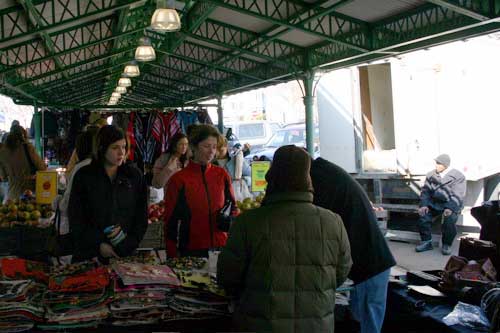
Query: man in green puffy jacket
x=284, y=261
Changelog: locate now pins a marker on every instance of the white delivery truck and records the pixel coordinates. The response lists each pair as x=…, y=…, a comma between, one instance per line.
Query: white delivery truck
x=386, y=122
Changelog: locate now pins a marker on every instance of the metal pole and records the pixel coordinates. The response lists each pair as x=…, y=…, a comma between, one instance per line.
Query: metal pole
x=37, y=123
x=309, y=106
x=43, y=133
x=220, y=116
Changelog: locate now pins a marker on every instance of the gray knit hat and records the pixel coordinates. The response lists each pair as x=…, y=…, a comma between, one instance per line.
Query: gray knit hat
x=443, y=159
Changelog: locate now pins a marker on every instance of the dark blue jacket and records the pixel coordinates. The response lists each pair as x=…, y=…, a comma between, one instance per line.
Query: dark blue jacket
x=446, y=192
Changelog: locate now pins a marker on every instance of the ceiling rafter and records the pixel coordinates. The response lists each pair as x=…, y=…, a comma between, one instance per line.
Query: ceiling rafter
x=85, y=9
x=36, y=21
x=466, y=8
x=325, y=23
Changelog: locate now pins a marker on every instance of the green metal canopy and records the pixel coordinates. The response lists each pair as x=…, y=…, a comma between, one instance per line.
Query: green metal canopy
x=71, y=53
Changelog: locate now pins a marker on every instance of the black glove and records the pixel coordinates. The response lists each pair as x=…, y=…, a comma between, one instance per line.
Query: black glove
x=224, y=218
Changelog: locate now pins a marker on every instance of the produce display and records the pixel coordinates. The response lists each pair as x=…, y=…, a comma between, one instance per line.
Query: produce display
x=24, y=211
x=250, y=203
x=155, y=212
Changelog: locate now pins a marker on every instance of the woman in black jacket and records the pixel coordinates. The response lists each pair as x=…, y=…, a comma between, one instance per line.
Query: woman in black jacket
x=108, y=202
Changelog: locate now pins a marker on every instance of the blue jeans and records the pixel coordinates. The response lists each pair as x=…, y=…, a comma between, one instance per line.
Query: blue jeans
x=368, y=302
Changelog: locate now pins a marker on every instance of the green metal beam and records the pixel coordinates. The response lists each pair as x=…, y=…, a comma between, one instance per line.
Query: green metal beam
x=162, y=75
x=76, y=65
x=231, y=37
x=118, y=27
x=104, y=106
x=87, y=75
x=194, y=15
x=263, y=37
x=277, y=12
x=84, y=9
x=460, y=9
x=70, y=50
x=197, y=78
x=210, y=65
x=36, y=20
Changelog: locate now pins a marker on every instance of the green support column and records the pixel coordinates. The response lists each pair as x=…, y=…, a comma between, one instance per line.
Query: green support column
x=37, y=117
x=309, y=106
x=220, y=116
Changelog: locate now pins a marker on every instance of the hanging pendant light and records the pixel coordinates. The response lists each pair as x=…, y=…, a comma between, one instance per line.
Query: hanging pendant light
x=121, y=90
x=124, y=82
x=145, y=51
x=165, y=19
x=131, y=69
x=116, y=95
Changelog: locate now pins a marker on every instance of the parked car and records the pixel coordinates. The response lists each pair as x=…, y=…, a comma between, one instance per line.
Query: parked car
x=289, y=135
x=255, y=133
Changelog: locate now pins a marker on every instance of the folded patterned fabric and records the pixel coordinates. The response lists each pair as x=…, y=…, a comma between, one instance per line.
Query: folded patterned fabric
x=95, y=279
x=133, y=273
x=21, y=269
x=14, y=291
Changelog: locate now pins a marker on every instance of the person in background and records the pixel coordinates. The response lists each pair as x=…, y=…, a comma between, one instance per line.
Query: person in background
x=284, y=261
x=195, y=197
x=73, y=160
x=236, y=166
x=85, y=143
x=19, y=163
x=107, y=208
x=338, y=191
x=442, y=195
x=175, y=159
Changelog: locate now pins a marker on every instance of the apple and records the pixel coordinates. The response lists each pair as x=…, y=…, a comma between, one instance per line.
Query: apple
x=30, y=207
x=13, y=208
x=35, y=215
x=247, y=206
x=154, y=220
x=255, y=204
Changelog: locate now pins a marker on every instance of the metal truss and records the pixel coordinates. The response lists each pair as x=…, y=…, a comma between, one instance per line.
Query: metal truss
x=73, y=51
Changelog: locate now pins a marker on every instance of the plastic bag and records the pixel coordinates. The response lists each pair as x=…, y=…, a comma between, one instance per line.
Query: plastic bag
x=469, y=316
x=241, y=191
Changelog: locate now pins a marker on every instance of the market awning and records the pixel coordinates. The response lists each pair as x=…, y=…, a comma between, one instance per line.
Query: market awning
x=72, y=52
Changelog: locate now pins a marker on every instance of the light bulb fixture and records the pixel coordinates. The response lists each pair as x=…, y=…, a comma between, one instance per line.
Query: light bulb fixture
x=121, y=90
x=131, y=69
x=112, y=102
x=124, y=82
x=116, y=95
x=145, y=51
x=165, y=19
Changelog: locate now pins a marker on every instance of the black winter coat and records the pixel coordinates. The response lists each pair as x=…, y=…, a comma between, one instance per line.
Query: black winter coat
x=446, y=192
x=96, y=203
x=338, y=191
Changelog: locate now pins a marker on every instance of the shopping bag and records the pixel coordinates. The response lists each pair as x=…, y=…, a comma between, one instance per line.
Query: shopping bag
x=240, y=189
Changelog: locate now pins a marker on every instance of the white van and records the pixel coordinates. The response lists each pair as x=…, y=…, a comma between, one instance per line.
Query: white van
x=256, y=133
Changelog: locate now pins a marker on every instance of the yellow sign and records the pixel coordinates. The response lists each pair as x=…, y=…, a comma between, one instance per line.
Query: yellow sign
x=46, y=186
x=259, y=170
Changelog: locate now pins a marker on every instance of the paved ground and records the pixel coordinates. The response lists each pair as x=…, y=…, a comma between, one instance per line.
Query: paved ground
x=408, y=259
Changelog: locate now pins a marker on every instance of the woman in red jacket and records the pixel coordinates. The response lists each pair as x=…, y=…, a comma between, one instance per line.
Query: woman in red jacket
x=195, y=197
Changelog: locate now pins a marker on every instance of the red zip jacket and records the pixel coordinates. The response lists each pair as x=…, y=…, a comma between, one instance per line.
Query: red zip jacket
x=194, y=197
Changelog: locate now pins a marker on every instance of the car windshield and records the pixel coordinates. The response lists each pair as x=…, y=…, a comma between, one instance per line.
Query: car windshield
x=277, y=140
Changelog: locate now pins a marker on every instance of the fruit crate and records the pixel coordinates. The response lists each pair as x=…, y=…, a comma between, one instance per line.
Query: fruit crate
x=154, y=237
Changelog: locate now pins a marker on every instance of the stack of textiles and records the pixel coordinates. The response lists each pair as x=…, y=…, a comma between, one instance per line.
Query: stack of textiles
x=22, y=269
x=20, y=305
x=142, y=292
x=199, y=296
x=77, y=296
